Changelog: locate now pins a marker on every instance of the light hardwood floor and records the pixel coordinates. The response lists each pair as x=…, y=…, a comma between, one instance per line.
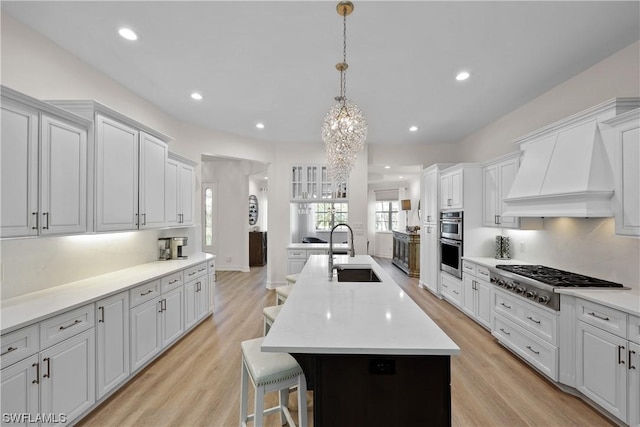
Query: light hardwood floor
x=197, y=381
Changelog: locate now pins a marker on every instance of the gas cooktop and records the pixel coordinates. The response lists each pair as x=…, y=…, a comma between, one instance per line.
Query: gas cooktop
x=555, y=277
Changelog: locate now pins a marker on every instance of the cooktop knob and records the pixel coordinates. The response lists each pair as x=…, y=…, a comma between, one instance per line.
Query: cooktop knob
x=532, y=294
x=543, y=299
x=502, y=283
x=511, y=286
x=520, y=290
x=493, y=280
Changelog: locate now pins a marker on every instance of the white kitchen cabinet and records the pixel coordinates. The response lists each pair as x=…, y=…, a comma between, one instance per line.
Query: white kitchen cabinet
x=476, y=293
x=312, y=182
x=496, y=182
x=67, y=383
x=451, y=289
x=153, y=160
x=172, y=316
x=633, y=385
x=20, y=390
x=179, y=191
x=44, y=168
x=112, y=342
x=430, y=263
x=430, y=201
x=196, y=300
x=211, y=271
x=626, y=158
x=451, y=189
x=146, y=332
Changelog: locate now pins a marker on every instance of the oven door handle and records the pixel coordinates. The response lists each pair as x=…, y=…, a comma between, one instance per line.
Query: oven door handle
x=451, y=242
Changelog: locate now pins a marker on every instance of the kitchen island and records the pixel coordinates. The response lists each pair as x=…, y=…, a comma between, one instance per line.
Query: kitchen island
x=369, y=352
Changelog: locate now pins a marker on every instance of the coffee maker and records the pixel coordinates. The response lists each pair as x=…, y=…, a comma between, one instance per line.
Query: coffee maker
x=177, y=243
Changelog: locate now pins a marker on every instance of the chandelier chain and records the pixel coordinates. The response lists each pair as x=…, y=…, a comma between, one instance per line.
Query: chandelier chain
x=343, y=72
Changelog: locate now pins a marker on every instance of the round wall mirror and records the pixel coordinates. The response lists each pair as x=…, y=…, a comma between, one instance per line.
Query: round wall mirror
x=253, y=210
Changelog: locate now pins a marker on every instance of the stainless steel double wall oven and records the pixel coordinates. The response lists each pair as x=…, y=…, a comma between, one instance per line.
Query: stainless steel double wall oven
x=451, y=228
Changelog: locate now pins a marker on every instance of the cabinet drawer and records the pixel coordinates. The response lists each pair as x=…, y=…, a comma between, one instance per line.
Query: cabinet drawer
x=145, y=292
x=539, y=353
x=633, y=329
x=469, y=267
x=535, y=320
x=171, y=281
x=482, y=273
x=602, y=317
x=296, y=253
x=452, y=290
x=195, y=271
x=65, y=325
x=19, y=344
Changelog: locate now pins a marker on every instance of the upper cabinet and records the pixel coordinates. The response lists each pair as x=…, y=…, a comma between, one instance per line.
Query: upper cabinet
x=180, y=173
x=497, y=178
x=430, y=200
x=130, y=169
x=44, y=168
x=451, y=189
x=624, y=137
x=312, y=182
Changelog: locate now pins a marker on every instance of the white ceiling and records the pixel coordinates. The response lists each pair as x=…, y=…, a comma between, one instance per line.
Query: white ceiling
x=273, y=62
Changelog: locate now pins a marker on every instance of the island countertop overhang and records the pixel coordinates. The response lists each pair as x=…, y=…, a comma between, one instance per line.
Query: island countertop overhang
x=330, y=317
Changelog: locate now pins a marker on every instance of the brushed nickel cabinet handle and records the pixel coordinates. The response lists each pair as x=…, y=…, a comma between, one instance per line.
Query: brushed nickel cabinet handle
x=599, y=317
x=533, y=320
x=37, y=380
x=101, y=320
x=508, y=333
x=48, y=374
x=46, y=215
x=164, y=304
x=37, y=219
x=532, y=350
x=9, y=350
x=620, y=361
x=456, y=292
x=191, y=274
x=146, y=293
x=174, y=281
x=505, y=305
x=631, y=353
x=62, y=328
x=144, y=219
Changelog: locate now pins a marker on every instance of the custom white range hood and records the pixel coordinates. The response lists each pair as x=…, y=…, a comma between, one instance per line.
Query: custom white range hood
x=566, y=168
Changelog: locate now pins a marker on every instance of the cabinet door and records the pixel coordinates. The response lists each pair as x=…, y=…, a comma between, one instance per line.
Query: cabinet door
x=431, y=258
x=187, y=186
x=112, y=347
x=190, y=302
x=63, y=177
x=483, y=297
x=153, y=169
x=19, y=192
x=67, y=376
x=445, y=192
x=628, y=219
x=506, y=175
x=456, y=189
x=145, y=333
x=295, y=265
x=490, y=193
x=172, y=192
x=172, y=316
x=633, y=385
x=116, y=175
x=468, y=294
x=212, y=291
x=601, y=370
x=19, y=391
x=431, y=196
x=202, y=297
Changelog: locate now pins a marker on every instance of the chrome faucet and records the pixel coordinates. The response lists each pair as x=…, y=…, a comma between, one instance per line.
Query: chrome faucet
x=352, y=251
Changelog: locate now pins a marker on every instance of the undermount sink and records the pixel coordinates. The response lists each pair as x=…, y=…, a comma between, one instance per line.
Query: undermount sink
x=356, y=274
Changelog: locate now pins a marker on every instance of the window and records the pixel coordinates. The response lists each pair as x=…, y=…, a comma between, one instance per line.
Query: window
x=323, y=214
x=387, y=215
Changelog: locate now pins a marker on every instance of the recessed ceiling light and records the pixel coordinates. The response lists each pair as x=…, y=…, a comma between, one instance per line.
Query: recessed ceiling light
x=260, y=125
x=413, y=128
x=387, y=167
x=128, y=33
x=463, y=75
x=266, y=177
x=196, y=96
x=401, y=177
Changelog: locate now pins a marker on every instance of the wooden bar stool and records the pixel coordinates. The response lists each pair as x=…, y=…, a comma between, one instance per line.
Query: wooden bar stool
x=270, y=314
x=282, y=293
x=270, y=372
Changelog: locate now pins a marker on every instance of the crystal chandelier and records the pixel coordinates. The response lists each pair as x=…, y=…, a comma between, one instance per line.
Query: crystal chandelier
x=344, y=131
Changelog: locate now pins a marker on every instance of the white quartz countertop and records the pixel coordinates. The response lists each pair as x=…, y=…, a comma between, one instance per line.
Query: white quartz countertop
x=624, y=300
x=30, y=308
x=492, y=262
x=324, y=246
x=322, y=317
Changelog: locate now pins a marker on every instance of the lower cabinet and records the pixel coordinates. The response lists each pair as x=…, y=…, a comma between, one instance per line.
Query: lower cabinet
x=196, y=301
x=154, y=325
x=52, y=387
x=430, y=258
x=112, y=342
x=451, y=289
x=211, y=271
x=476, y=293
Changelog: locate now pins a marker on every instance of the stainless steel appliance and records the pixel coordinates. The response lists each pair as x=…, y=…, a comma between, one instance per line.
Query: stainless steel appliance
x=164, y=248
x=451, y=225
x=451, y=247
x=537, y=283
x=177, y=243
